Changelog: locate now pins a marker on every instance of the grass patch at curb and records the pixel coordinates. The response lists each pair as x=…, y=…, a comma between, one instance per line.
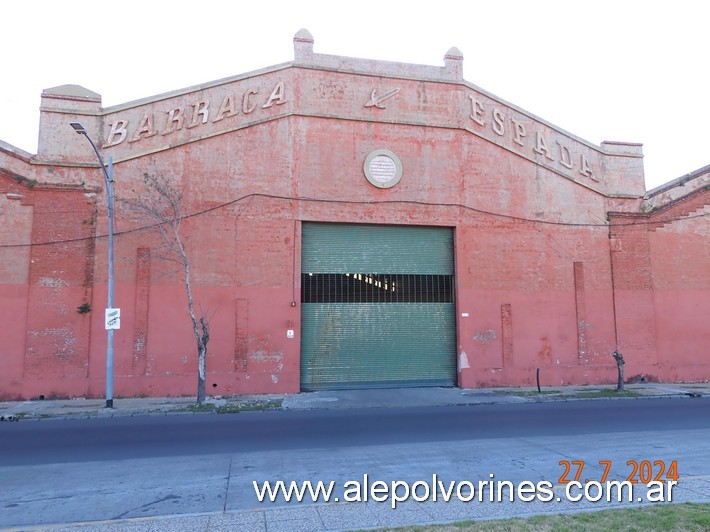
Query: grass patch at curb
x=600, y=394
x=590, y=394
x=250, y=406
x=673, y=517
x=235, y=408
x=204, y=407
x=537, y=394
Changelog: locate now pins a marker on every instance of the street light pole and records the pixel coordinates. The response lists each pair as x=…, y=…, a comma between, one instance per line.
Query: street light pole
x=108, y=175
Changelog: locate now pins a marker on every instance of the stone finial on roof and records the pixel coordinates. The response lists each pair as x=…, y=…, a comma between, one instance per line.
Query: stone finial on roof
x=303, y=45
x=453, y=63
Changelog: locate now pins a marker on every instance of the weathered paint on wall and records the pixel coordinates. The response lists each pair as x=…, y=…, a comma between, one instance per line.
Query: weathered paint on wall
x=561, y=257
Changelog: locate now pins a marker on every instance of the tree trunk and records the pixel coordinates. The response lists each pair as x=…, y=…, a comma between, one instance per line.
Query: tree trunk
x=201, y=394
x=203, y=338
x=202, y=334
x=620, y=367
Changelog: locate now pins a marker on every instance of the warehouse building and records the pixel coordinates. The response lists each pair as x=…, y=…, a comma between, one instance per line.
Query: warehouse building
x=349, y=223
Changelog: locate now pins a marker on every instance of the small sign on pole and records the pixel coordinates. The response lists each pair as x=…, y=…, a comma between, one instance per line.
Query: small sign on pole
x=113, y=318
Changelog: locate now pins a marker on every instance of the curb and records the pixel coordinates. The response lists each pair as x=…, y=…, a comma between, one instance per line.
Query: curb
x=183, y=409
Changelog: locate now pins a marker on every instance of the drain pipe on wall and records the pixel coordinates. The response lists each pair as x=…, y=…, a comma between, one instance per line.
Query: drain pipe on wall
x=618, y=357
x=613, y=293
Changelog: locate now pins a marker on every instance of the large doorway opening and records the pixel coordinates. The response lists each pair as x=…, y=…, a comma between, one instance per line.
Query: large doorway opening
x=377, y=306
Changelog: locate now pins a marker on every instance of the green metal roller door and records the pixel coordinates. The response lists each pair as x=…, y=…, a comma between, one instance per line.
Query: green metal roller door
x=377, y=306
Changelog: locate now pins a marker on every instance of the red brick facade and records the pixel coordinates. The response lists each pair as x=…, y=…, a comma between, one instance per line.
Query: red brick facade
x=561, y=256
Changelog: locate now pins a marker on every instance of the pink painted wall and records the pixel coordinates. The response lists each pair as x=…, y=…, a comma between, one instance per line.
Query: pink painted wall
x=45, y=338
x=15, y=232
x=681, y=268
x=662, y=279
x=542, y=281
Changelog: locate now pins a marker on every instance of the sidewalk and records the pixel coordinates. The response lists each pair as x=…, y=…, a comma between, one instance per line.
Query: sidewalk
x=377, y=398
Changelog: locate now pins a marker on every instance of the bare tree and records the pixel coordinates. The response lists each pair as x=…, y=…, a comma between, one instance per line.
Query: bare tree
x=163, y=205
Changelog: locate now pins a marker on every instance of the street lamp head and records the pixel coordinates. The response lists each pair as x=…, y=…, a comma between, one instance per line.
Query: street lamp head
x=78, y=128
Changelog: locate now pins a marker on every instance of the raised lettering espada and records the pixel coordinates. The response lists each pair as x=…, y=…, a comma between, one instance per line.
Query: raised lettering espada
x=376, y=101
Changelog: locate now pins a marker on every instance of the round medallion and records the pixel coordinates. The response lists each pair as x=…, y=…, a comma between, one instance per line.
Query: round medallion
x=383, y=168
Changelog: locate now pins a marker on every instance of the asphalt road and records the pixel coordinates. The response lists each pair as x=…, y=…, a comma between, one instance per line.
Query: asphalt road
x=81, y=440
x=61, y=471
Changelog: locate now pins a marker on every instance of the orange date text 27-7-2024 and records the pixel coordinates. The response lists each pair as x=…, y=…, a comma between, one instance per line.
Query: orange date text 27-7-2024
x=636, y=471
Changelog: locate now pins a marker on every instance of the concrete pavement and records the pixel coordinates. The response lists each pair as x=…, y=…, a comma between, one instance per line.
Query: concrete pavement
x=393, y=397
x=346, y=516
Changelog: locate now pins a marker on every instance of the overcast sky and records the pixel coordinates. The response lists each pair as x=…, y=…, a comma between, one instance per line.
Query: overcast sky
x=634, y=71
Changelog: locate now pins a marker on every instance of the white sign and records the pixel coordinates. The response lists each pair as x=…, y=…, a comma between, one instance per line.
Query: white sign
x=113, y=318
x=383, y=168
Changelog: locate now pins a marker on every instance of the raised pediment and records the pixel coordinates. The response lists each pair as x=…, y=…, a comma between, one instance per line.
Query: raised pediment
x=335, y=87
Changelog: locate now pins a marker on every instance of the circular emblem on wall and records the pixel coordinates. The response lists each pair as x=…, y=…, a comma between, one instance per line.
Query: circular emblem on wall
x=383, y=168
